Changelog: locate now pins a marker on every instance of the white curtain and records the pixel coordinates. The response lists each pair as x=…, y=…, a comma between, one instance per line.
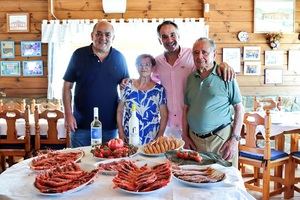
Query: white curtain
x=134, y=37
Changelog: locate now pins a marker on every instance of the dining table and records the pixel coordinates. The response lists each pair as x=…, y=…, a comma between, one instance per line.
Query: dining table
x=20, y=127
x=17, y=182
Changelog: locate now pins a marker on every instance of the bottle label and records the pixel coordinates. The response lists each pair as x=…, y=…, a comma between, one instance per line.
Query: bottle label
x=96, y=133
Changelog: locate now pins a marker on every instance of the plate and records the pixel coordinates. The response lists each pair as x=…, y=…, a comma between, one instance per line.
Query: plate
x=243, y=36
x=62, y=151
x=111, y=172
x=159, y=182
x=211, y=184
x=84, y=167
x=66, y=192
x=160, y=154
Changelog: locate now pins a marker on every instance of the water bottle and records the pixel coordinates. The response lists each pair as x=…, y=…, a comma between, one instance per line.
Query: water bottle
x=134, y=137
x=96, y=129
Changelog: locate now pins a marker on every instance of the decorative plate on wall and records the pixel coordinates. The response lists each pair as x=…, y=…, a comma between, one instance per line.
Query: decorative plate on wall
x=243, y=36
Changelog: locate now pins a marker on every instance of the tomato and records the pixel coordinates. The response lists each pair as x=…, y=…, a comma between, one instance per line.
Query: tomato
x=115, y=143
x=106, y=152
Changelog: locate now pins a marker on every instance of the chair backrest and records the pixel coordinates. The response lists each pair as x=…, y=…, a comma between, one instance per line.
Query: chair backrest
x=11, y=116
x=267, y=103
x=11, y=105
x=251, y=121
x=48, y=104
x=51, y=116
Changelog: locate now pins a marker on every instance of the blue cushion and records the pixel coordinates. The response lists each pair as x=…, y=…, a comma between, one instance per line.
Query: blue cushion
x=275, y=154
x=296, y=154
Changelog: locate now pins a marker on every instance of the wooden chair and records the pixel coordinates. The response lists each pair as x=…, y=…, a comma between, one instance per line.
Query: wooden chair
x=13, y=145
x=261, y=158
x=52, y=139
x=292, y=179
x=10, y=105
x=54, y=104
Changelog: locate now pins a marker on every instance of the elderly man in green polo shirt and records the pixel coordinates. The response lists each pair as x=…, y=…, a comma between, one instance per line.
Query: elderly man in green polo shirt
x=208, y=124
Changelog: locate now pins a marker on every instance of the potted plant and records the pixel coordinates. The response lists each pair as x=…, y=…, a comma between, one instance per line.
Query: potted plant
x=274, y=39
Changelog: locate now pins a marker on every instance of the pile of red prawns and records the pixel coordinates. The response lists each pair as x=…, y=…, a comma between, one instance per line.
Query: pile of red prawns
x=142, y=179
x=54, y=159
x=60, y=180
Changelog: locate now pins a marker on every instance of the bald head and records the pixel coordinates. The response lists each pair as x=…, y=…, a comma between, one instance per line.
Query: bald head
x=102, y=36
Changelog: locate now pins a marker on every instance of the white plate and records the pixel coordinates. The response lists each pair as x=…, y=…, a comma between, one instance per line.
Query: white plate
x=64, y=151
x=141, y=163
x=68, y=191
x=112, y=173
x=219, y=183
x=159, y=154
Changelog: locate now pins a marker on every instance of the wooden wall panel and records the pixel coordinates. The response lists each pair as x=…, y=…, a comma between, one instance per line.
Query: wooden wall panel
x=226, y=18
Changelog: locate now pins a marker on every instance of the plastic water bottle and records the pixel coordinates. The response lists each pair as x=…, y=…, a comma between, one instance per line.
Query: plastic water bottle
x=134, y=137
x=96, y=129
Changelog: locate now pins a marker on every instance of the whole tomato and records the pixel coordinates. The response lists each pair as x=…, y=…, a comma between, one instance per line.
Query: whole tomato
x=115, y=143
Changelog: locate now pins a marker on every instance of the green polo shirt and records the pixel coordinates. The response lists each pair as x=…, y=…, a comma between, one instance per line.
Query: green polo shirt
x=210, y=101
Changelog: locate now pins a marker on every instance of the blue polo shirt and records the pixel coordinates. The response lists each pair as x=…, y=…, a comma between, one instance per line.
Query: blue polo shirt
x=96, y=85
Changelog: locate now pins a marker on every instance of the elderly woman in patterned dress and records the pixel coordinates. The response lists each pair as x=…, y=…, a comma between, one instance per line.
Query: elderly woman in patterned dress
x=150, y=100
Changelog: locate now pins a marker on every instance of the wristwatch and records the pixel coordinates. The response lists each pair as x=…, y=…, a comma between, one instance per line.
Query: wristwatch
x=236, y=137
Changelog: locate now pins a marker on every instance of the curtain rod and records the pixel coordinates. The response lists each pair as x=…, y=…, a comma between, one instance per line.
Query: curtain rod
x=126, y=20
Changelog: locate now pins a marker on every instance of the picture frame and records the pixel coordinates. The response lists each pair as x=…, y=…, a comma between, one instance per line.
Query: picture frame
x=274, y=16
x=33, y=68
x=17, y=22
x=274, y=76
x=7, y=49
x=232, y=56
x=293, y=61
x=10, y=68
x=274, y=58
x=251, y=53
x=252, y=68
x=31, y=48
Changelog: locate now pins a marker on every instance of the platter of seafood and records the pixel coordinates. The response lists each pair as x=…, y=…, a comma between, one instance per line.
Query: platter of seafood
x=199, y=176
x=161, y=145
x=115, y=148
x=64, y=180
x=53, y=159
x=111, y=167
x=143, y=177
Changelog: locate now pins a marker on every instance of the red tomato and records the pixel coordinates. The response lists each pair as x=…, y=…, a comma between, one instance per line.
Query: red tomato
x=115, y=143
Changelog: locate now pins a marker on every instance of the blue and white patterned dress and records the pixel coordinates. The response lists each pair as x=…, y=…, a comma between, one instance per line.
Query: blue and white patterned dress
x=147, y=109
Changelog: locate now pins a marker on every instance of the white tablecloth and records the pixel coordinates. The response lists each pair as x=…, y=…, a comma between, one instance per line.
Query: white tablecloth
x=17, y=183
x=20, y=127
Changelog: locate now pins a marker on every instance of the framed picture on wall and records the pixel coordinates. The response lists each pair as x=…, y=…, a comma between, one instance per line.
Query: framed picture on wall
x=232, y=56
x=274, y=58
x=33, y=68
x=10, y=68
x=293, y=61
x=252, y=68
x=17, y=22
x=7, y=49
x=251, y=53
x=31, y=48
x=274, y=16
x=273, y=76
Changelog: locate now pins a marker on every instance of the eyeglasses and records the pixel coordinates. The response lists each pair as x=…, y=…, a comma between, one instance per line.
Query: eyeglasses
x=145, y=65
x=100, y=34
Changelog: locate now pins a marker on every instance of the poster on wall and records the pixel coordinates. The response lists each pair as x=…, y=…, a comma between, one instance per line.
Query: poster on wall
x=232, y=56
x=293, y=61
x=273, y=76
x=252, y=68
x=274, y=58
x=31, y=48
x=274, y=16
x=33, y=68
x=7, y=49
x=10, y=68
